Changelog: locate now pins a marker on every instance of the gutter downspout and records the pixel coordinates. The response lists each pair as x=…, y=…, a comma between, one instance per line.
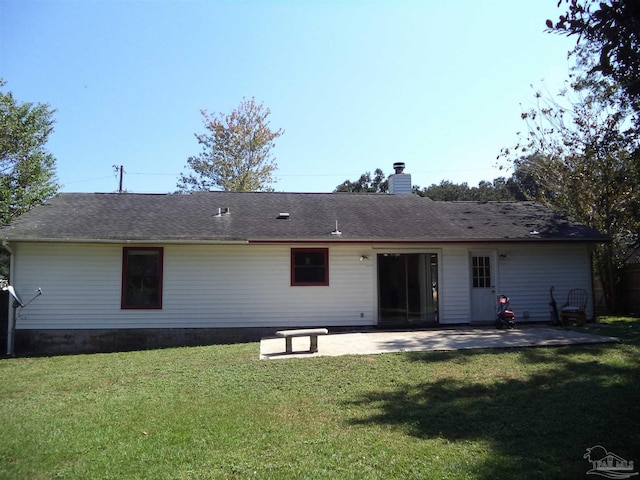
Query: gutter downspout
x=11, y=319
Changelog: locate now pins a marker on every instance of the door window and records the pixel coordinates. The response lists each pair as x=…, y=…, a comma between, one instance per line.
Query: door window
x=481, y=272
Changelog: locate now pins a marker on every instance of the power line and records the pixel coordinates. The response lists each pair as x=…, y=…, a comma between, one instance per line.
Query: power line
x=156, y=174
x=301, y=175
x=88, y=180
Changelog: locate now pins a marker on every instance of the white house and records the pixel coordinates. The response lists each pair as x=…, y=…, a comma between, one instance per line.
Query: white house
x=121, y=271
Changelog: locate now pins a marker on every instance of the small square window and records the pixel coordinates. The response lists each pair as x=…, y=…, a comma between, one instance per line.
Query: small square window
x=309, y=266
x=142, y=277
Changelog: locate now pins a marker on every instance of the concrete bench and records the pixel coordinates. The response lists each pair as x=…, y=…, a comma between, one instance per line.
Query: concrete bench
x=312, y=333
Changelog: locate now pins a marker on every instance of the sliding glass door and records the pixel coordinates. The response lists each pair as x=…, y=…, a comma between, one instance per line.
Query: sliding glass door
x=407, y=288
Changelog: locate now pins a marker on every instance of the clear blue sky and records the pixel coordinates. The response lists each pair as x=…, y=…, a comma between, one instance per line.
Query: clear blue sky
x=356, y=85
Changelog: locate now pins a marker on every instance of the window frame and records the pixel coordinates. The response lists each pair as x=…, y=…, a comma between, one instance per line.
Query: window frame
x=124, y=301
x=481, y=271
x=325, y=282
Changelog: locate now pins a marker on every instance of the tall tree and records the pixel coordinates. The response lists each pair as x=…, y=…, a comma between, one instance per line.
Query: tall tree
x=236, y=152
x=578, y=155
x=27, y=169
x=608, y=33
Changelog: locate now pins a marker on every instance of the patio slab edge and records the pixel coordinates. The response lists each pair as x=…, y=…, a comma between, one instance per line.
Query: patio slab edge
x=377, y=342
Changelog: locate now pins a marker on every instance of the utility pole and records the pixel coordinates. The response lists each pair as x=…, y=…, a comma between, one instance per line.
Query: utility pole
x=119, y=169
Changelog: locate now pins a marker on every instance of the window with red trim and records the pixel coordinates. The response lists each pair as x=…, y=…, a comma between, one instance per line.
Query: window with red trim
x=142, y=277
x=309, y=266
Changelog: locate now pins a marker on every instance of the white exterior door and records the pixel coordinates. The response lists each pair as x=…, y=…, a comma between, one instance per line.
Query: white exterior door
x=483, y=285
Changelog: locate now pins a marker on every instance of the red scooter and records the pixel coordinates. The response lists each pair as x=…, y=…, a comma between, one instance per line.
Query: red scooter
x=505, y=318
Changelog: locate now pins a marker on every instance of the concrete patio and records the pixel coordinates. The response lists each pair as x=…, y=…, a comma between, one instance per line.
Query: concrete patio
x=376, y=341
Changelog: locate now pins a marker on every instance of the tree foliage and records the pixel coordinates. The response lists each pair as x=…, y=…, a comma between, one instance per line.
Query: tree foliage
x=579, y=156
x=27, y=169
x=366, y=183
x=608, y=33
x=236, y=152
x=501, y=189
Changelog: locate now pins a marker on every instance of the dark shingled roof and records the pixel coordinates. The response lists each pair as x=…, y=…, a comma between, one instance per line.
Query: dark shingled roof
x=312, y=217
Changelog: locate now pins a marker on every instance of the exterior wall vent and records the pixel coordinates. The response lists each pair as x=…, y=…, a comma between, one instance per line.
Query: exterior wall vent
x=223, y=211
x=283, y=216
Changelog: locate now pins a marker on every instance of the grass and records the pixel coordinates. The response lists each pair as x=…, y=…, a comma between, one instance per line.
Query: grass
x=219, y=412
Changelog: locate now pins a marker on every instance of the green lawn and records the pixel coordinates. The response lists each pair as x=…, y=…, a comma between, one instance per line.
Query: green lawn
x=219, y=412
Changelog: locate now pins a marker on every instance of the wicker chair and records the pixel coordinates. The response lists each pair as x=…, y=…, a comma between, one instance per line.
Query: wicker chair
x=574, y=311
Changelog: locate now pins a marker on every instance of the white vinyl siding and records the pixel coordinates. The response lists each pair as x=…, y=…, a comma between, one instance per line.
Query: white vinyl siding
x=527, y=274
x=455, y=285
x=212, y=286
x=204, y=286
